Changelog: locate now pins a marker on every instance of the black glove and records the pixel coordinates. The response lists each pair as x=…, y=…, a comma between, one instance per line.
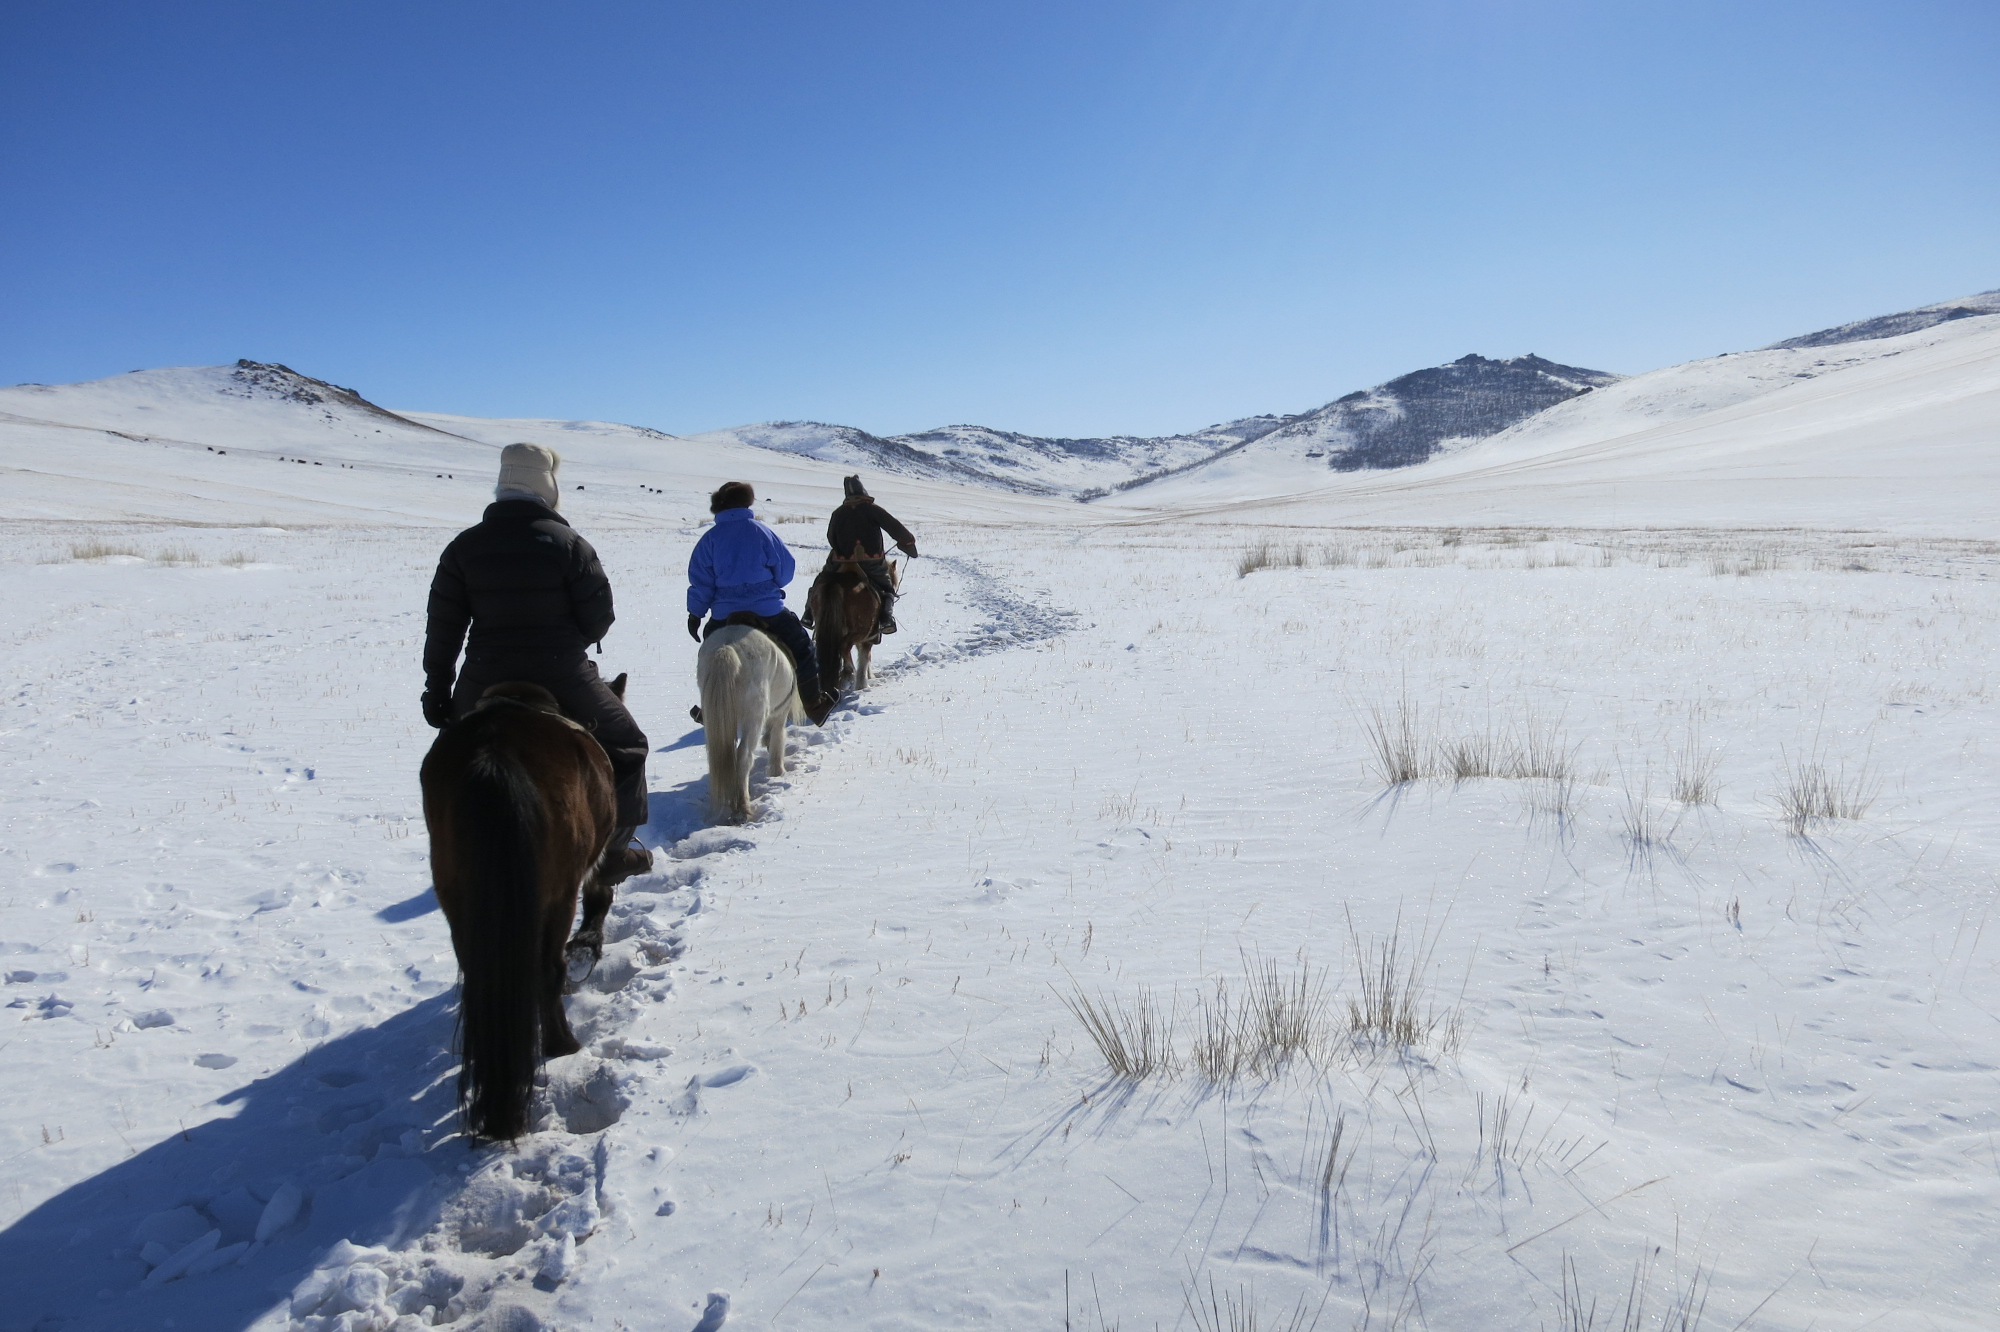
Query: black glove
x=909, y=548
x=437, y=709
x=694, y=627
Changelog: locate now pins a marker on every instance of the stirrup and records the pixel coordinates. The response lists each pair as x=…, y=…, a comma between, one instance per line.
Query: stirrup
x=695, y=712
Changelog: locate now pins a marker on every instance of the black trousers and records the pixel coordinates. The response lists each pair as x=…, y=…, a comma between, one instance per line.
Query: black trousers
x=785, y=627
x=585, y=699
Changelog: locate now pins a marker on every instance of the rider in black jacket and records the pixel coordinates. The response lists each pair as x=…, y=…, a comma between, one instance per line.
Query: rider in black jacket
x=856, y=528
x=533, y=595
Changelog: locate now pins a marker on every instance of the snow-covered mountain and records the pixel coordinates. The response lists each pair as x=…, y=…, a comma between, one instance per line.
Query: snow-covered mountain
x=1893, y=433
x=1395, y=424
x=1894, y=325
x=981, y=455
x=1450, y=419
x=261, y=441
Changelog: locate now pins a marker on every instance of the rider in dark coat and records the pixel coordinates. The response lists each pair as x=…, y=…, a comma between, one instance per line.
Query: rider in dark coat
x=533, y=595
x=860, y=522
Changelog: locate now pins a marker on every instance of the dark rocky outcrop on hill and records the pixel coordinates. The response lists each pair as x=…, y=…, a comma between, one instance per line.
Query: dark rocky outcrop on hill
x=1406, y=420
x=1895, y=325
x=261, y=379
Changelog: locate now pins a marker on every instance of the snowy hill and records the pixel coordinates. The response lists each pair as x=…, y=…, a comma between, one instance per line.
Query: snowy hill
x=981, y=455
x=1894, y=325
x=1897, y=433
x=1876, y=429
x=1395, y=424
x=256, y=442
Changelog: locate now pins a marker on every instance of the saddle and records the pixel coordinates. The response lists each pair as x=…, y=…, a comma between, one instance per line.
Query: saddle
x=762, y=624
x=531, y=697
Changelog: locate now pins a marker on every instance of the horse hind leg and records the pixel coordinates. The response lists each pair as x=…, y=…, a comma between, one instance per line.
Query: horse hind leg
x=774, y=733
x=586, y=947
x=863, y=660
x=557, y=1038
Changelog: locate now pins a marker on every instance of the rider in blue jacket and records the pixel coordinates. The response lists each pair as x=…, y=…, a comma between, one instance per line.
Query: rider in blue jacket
x=742, y=565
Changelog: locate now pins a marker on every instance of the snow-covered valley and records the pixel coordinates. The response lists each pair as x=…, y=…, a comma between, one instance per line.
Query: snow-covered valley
x=1670, y=824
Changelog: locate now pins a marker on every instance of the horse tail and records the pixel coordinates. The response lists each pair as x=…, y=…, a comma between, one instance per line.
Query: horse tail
x=830, y=626
x=497, y=823
x=732, y=717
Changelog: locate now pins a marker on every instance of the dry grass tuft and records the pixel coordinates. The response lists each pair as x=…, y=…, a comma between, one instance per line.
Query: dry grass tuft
x=1395, y=736
x=1401, y=752
x=1393, y=1009
x=1645, y=825
x=1278, y=1017
x=1237, y=1311
x=98, y=550
x=1265, y=555
x=1695, y=766
x=1815, y=791
x=1686, y=1301
x=1136, y=1042
x=1742, y=566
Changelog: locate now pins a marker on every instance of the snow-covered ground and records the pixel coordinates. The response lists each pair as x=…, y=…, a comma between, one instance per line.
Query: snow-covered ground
x=835, y=1074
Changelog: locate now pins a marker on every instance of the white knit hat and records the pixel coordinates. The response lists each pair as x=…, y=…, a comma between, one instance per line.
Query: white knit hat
x=530, y=469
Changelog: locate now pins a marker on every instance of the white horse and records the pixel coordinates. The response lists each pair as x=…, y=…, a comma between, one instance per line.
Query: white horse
x=748, y=690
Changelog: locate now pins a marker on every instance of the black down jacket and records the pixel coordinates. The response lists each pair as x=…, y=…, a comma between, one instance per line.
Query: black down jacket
x=863, y=523
x=524, y=582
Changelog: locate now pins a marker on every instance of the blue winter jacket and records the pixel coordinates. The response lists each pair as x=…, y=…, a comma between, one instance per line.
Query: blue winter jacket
x=739, y=564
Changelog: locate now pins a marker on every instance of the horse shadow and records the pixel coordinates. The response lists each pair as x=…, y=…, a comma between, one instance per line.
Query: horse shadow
x=675, y=813
x=354, y=1140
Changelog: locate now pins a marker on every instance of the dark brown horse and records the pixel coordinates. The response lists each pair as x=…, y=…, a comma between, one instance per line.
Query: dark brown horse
x=521, y=813
x=844, y=606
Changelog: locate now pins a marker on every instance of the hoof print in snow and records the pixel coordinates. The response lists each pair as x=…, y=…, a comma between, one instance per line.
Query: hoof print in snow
x=214, y=1060
x=716, y=1314
x=710, y=842
x=689, y=1101
x=587, y=1099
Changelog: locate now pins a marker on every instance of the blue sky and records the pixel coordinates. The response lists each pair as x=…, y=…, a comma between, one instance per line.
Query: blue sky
x=1084, y=217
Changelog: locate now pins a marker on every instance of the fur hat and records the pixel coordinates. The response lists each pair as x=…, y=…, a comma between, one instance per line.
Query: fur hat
x=852, y=488
x=731, y=495
x=530, y=469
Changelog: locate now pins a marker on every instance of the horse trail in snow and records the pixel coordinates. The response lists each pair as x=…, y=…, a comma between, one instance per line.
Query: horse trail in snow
x=502, y=1235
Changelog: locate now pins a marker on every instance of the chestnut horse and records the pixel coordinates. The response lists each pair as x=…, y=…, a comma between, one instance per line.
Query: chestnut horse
x=519, y=803
x=844, y=606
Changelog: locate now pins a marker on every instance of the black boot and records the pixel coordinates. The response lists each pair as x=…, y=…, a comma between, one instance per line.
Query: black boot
x=695, y=712
x=817, y=702
x=885, y=618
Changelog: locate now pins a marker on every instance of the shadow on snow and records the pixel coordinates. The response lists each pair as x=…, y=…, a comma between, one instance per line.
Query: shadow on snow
x=362, y=1126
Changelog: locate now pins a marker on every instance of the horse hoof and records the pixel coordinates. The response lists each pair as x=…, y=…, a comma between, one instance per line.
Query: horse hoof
x=582, y=961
